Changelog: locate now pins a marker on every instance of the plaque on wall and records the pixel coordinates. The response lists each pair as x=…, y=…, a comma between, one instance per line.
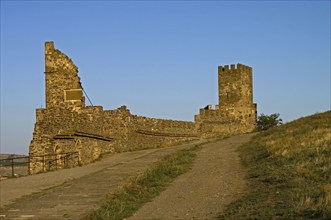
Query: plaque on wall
x=73, y=95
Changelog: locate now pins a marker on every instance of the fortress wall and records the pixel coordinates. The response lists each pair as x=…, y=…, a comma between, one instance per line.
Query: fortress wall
x=67, y=125
x=60, y=130
x=162, y=125
x=89, y=149
x=217, y=123
x=116, y=126
x=151, y=132
x=123, y=128
x=224, y=122
x=58, y=121
x=91, y=131
x=50, y=122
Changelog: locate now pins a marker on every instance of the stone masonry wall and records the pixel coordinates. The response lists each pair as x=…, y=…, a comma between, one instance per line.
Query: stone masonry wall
x=92, y=131
x=235, y=112
x=151, y=132
x=235, y=86
x=66, y=125
x=61, y=76
x=60, y=130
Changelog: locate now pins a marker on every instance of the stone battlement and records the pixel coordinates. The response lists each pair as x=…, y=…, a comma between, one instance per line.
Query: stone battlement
x=240, y=68
x=67, y=125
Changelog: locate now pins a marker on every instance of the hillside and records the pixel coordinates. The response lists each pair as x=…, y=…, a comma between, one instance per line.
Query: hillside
x=8, y=156
x=289, y=172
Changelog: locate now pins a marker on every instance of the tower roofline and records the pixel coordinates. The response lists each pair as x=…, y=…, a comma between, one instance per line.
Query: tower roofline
x=239, y=68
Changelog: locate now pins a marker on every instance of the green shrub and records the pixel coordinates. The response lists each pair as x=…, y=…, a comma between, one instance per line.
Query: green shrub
x=265, y=122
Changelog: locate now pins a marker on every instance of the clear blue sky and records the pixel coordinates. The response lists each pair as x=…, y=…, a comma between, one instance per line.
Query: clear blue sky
x=160, y=58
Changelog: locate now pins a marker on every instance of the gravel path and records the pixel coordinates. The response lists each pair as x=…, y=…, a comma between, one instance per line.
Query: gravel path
x=72, y=193
x=216, y=179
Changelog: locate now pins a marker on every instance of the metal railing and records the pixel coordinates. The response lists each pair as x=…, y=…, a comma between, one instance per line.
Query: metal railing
x=63, y=161
x=8, y=165
x=46, y=162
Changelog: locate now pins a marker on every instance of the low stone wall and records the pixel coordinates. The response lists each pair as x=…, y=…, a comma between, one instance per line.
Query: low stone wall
x=59, y=131
x=224, y=122
x=151, y=132
x=92, y=131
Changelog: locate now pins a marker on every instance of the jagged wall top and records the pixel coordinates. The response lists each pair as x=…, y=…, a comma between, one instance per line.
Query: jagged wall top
x=62, y=60
x=49, y=46
x=63, y=86
x=240, y=68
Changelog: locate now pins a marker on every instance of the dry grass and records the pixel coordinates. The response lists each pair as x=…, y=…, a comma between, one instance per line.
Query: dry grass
x=145, y=186
x=289, y=172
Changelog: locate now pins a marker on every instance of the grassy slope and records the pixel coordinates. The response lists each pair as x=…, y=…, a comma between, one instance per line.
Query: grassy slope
x=289, y=170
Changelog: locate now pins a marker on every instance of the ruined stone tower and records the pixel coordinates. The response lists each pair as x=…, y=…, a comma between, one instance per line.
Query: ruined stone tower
x=63, y=87
x=235, y=112
x=68, y=133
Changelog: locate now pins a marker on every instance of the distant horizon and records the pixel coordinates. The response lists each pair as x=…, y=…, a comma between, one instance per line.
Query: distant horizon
x=160, y=59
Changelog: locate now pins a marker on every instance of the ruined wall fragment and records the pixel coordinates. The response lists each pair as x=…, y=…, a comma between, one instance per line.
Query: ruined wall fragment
x=67, y=125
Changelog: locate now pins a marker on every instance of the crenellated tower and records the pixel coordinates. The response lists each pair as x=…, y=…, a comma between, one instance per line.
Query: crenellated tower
x=235, y=87
x=235, y=112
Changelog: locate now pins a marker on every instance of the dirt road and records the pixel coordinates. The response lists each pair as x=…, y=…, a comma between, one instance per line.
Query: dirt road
x=216, y=179
x=72, y=193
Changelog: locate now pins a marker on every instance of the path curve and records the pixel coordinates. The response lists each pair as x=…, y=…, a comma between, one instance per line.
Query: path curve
x=73, y=193
x=216, y=179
